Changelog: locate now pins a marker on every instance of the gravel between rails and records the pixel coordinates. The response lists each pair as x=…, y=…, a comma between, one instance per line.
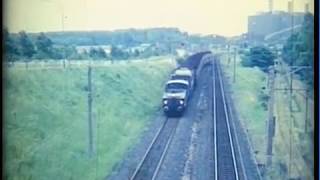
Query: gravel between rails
x=243, y=146
x=203, y=163
x=190, y=154
x=227, y=160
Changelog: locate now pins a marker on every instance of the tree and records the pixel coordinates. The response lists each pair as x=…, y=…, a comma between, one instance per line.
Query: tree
x=84, y=55
x=136, y=53
x=259, y=56
x=10, y=47
x=101, y=53
x=117, y=53
x=44, y=45
x=97, y=53
x=26, y=45
x=93, y=53
x=299, y=49
x=69, y=52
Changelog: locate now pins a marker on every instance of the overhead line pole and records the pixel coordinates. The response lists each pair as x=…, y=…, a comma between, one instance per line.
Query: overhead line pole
x=228, y=54
x=90, y=135
x=61, y=6
x=234, y=65
x=290, y=5
x=306, y=113
x=271, y=118
x=293, y=69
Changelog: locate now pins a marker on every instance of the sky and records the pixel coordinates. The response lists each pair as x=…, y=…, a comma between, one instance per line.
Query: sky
x=222, y=17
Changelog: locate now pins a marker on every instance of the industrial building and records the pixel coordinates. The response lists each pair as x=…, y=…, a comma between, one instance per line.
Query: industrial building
x=263, y=24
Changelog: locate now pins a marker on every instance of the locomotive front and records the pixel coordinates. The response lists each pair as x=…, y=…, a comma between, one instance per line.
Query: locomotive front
x=175, y=97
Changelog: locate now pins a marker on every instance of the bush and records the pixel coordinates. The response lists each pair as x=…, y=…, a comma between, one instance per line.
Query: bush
x=259, y=56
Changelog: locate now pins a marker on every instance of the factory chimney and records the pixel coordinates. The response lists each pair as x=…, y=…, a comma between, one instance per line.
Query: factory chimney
x=306, y=8
x=270, y=6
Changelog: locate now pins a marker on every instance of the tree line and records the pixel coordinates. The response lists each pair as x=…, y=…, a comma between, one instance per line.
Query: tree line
x=299, y=50
x=22, y=47
x=130, y=37
x=26, y=47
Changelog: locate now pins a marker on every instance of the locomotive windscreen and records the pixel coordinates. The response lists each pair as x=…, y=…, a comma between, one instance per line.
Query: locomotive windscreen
x=176, y=87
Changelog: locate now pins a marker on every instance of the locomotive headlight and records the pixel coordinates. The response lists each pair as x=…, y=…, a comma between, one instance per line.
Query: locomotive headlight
x=181, y=102
x=165, y=101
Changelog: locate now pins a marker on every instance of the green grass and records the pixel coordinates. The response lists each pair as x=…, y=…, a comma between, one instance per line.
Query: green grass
x=302, y=155
x=46, y=127
x=246, y=91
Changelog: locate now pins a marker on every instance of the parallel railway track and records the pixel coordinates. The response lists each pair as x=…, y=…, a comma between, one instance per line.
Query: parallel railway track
x=224, y=151
x=225, y=165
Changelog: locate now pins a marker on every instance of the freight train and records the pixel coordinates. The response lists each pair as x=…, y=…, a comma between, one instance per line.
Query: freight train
x=182, y=83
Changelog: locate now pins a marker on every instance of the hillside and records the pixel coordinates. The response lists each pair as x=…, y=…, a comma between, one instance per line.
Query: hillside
x=46, y=126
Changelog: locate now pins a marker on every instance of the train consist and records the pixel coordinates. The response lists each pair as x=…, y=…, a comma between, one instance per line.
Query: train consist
x=182, y=82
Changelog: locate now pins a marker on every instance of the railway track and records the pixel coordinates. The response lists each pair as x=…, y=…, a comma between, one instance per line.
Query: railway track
x=225, y=165
x=151, y=162
x=224, y=152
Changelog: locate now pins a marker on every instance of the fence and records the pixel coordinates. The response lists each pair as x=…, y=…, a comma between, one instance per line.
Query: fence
x=52, y=64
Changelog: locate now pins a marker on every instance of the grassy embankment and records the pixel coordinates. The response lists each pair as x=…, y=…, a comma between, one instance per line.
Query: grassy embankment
x=302, y=143
x=246, y=91
x=246, y=94
x=46, y=127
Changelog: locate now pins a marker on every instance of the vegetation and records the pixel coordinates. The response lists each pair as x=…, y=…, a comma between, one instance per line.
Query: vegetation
x=302, y=160
x=250, y=101
x=44, y=45
x=97, y=53
x=299, y=49
x=259, y=56
x=131, y=37
x=117, y=53
x=45, y=114
x=10, y=48
x=27, y=47
x=125, y=44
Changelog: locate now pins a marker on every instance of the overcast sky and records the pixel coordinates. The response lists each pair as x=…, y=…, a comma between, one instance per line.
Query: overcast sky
x=223, y=17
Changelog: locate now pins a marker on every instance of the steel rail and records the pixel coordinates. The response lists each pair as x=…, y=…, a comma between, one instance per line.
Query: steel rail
x=239, y=147
x=163, y=153
x=155, y=173
x=228, y=125
x=214, y=123
x=148, y=150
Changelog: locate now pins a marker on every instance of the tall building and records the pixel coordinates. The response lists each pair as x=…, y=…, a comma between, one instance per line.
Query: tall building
x=270, y=6
x=306, y=8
